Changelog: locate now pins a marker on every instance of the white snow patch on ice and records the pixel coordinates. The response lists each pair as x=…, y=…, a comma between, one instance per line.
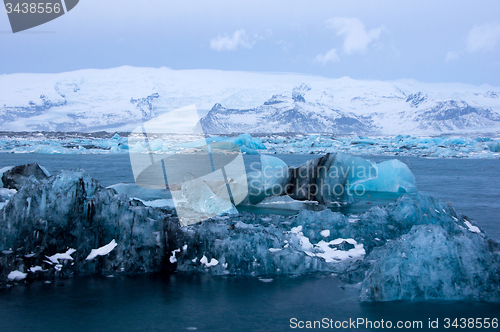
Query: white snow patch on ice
x=331, y=254
x=16, y=276
x=36, y=268
x=213, y=261
x=472, y=228
x=172, y=258
x=64, y=256
x=102, y=251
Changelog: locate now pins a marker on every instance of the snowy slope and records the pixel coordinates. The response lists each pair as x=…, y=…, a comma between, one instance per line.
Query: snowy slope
x=121, y=98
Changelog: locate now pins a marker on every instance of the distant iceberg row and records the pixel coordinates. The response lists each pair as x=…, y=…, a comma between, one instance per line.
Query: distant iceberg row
x=431, y=147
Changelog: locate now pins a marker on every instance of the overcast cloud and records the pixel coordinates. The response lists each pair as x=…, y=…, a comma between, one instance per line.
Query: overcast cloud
x=430, y=41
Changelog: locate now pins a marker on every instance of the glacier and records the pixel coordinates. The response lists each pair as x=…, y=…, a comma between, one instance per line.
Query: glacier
x=117, y=99
x=416, y=248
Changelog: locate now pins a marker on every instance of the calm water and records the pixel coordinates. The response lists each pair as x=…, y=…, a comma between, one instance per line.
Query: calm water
x=183, y=302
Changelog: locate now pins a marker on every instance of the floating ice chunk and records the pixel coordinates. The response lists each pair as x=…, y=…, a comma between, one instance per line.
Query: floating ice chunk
x=246, y=142
x=156, y=145
x=201, y=201
x=64, y=256
x=392, y=176
x=102, y=251
x=16, y=276
x=271, y=163
x=472, y=228
x=325, y=233
x=213, y=261
x=275, y=249
x=266, y=280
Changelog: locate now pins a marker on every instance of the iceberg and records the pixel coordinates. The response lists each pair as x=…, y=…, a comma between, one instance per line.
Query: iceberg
x=429, y=263
x=271, y=180
x=416, y=248
x=199, y=201
x=391, y=176
x=71, y=210
x=331, y=180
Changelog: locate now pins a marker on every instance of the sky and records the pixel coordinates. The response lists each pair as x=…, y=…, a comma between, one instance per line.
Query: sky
x=429, y=41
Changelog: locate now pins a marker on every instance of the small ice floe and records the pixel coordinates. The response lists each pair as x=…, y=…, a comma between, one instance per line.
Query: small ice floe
x=102, y=251
x=54, y=259
x=34, y=269
x=185, y=247
x=325, y=233
x=472, y=228
x=194, y=260
x=266, y=219
x=213, y=261
x=16, y=276
x=274, y=249
x=266, y=280
x=191, y=328
x=172, y=258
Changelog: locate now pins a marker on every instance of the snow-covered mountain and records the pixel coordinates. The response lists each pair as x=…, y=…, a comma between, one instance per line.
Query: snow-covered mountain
x=121, y=98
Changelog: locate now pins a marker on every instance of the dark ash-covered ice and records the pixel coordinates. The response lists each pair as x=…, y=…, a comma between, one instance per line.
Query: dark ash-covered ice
x=416, y=248
x=72, y=211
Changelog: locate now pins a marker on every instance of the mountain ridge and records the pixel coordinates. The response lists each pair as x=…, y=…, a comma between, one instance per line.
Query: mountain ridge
x=119, y=99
